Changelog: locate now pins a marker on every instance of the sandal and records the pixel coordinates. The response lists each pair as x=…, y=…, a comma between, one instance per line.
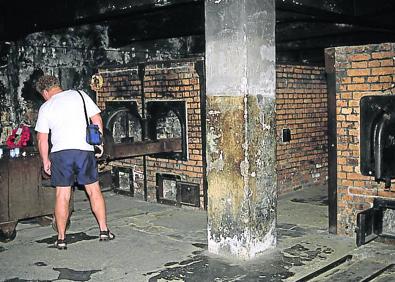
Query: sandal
x=106, y=235
x=61, y=244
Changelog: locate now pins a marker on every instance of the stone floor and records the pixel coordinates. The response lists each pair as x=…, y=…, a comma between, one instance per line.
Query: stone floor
x=163, y=243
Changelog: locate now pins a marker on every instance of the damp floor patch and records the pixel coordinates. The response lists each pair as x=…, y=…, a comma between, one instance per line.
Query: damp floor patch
x=204, y=267
x=75, y=275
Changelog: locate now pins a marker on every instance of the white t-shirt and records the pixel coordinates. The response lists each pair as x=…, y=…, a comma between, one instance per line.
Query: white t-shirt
x=63, y=114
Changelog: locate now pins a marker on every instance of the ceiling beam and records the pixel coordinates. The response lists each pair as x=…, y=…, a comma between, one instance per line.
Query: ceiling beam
x=175, y=22
x=23, y=17
x=334, y=40
x=320, y=15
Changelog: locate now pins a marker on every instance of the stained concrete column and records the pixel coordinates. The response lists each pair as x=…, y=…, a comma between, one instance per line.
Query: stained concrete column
x=240, y=87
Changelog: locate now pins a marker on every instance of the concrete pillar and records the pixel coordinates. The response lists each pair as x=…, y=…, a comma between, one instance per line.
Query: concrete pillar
x=240, y=87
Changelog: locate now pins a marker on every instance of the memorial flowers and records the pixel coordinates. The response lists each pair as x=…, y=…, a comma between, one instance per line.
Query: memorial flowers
x=19, y=137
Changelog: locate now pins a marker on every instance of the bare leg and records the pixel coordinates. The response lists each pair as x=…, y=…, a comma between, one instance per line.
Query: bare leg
x=97, y=204
x=62, y=209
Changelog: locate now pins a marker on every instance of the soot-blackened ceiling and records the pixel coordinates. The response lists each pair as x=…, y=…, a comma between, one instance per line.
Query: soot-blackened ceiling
x=303, y=27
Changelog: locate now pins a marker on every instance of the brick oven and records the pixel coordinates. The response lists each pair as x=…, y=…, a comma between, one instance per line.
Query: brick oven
x=362, y=94
x=158, y=108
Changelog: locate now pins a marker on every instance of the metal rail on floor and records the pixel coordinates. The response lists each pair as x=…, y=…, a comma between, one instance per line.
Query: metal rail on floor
x=325, y=268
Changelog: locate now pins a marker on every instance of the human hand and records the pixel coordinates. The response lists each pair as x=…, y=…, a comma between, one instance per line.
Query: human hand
x=99, y=150
x=47, y=167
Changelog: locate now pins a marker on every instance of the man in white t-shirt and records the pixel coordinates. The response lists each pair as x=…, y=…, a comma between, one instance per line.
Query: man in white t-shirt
x=71, y=158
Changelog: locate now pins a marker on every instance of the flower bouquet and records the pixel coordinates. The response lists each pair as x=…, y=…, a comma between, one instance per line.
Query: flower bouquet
x=19, y=137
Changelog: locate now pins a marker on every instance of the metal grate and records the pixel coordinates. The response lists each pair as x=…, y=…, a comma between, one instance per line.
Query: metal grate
x=123, y=180
x=189, y=193
x=171, y=190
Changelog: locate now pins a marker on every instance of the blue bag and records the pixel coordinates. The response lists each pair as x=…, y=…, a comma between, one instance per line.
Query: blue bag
x=93, y=134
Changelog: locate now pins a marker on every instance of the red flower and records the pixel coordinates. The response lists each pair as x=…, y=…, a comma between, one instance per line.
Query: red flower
x=18, y=140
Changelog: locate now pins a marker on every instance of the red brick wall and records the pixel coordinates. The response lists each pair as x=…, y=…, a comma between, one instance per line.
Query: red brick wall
x=301, y=106
x=182, y=82
x=360, y=71
x=176, y=80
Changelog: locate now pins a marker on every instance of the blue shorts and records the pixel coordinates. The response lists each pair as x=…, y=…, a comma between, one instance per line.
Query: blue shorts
x=70, y=166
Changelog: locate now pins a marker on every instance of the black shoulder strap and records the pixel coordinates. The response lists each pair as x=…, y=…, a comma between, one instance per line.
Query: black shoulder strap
x=86, y=114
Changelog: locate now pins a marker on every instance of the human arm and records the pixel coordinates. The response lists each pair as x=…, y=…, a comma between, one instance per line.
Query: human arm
x=96, y=119
x=43, y=148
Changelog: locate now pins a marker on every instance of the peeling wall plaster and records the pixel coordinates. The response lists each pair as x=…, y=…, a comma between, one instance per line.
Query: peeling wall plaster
x=244, y=246
x=241, y=155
